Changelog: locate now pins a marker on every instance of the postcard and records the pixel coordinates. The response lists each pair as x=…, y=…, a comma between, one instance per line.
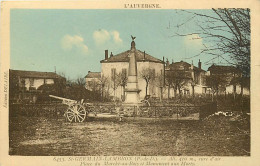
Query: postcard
x=132, y=83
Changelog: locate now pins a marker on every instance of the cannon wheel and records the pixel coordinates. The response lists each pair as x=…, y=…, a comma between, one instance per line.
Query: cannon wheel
x=76, y=113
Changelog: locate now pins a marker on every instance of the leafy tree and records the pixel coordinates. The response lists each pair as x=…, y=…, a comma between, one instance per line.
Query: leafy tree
x=169, y=81
x=177, y=79
x=216, y=82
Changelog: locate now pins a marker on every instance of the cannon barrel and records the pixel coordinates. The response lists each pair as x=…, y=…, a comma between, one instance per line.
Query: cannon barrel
x=63, y=99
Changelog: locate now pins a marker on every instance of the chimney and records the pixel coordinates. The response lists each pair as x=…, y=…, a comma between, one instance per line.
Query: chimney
x=106, y=54
x=172, y=61
x=111, y=54
x=144, y=54
x=199, y=64
x=163, y=59
x=167, y=63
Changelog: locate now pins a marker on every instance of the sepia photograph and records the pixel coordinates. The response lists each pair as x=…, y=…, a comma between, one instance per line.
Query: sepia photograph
x=129, y=83
x=108, y=82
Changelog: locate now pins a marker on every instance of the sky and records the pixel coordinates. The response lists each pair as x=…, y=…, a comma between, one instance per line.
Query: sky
x=74, y=41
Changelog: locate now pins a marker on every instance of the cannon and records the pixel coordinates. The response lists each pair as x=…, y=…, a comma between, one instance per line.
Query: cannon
x=77, y=110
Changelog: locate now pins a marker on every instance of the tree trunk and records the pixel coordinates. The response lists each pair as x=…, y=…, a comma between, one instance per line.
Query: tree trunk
x=169, y=88
x=193, y=91
x=242, y=90
x=175, y=92
x=161, y=95
x=146, y=88
x=180, y=92
x=114, y=93
x=102, y=94
x=124, y=93
x=234, y=91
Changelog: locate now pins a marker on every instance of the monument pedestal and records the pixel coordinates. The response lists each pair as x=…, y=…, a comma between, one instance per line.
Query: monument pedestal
x=132, y=96
x=132, y=102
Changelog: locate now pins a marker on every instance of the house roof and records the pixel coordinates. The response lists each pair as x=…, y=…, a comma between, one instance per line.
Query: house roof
x=93, y=75
x=182, y=66
x=34, y=74
x=140, y=57
x=221, y=69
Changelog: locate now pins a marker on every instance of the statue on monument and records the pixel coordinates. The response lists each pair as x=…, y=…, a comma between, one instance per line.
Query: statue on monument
x=133, y=38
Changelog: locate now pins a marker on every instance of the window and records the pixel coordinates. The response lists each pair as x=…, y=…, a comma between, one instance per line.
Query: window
x=153, y=72
x=113, y=73
x=90, y=83
x=22, y=82
x=31, y=82
x=124, y=72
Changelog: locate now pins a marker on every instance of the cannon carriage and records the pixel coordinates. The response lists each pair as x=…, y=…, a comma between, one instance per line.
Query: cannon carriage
x=77, y=111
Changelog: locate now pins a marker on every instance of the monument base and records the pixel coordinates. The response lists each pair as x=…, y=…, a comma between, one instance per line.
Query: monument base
x=131, y=109
x=132, y=95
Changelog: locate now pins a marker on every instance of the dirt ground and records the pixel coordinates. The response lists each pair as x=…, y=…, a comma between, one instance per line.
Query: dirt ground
x=217, y=136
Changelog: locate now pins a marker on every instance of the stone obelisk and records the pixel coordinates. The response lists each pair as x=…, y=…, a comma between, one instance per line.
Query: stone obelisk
x=132, y=91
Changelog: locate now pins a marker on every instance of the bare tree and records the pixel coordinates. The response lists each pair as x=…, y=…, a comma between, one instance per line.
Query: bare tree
x=148, y=75
x=94, y=85
x=104, y=84
x=180, y=79
x=216, y=82
x=177, y=79
x=169, y=79
x=227, y=31
x=159, y=82
x=115, y=82
x=123, y=81
x=80, y=81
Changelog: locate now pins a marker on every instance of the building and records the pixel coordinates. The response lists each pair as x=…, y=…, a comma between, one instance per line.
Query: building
x=233, y=79
x=24, y=84
x=156, y=78
x=93, y=81
x=115, y=69
x=182, y=77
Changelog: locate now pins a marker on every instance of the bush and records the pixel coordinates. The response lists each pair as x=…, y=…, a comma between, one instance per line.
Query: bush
x=77, y=92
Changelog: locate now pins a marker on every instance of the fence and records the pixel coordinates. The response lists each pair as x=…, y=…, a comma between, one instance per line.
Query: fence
x=179, y=112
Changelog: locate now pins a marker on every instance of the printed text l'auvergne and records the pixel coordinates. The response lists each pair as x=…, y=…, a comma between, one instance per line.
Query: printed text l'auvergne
x=141, y=6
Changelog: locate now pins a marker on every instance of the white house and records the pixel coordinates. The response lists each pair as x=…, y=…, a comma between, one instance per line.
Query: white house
x=189, y=78
x=118, y=65
x=32, y=80
x=234, y=79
